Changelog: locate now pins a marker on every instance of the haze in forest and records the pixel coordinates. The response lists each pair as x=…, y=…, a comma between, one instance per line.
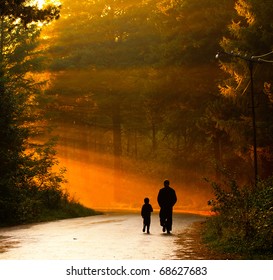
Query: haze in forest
x=133, y=95
x=124, y=94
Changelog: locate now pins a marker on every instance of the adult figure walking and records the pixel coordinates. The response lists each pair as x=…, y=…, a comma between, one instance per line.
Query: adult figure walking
x=166, y=199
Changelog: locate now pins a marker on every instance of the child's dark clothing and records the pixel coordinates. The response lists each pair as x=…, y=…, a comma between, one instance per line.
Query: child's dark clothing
x=146, y=211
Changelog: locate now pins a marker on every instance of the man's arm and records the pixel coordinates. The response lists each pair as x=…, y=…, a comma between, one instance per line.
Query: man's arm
x=159, y=198
x=174, y=197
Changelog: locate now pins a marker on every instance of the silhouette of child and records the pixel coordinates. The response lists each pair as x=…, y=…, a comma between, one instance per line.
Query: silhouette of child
x=146, y=211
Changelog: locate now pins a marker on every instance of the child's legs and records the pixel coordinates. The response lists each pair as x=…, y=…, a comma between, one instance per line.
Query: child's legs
x=147, y=222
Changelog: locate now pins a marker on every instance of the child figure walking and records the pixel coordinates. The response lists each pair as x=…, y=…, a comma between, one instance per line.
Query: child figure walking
x=146, y=211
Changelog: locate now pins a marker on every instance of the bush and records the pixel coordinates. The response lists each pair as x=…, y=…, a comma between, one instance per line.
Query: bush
x=243, y=220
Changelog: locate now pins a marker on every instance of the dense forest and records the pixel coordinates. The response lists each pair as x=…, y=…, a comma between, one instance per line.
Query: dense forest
x=133, y=89
x=30, y=185
x=138, y=80
x=133, y=80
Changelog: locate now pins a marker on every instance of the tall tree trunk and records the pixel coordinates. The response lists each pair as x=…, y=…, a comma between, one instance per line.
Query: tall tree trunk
x=135, y=144
x=117, y=145
x=154, y=140
x=116, y=119
x=2, y=85
x=2, y=99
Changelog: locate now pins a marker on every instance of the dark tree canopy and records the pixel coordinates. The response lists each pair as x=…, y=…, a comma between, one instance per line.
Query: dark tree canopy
x=27, y=182
x=28, y=13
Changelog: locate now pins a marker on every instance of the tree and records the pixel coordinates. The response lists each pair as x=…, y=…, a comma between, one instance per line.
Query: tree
x=143, y=71
x=25, y=167
x=119, y=33
x=250, y=35
x=191, y=29
x=27, y=12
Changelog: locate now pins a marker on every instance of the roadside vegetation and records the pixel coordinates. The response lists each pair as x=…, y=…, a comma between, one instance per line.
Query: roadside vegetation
x=243, y=208
x=31, y=184
x=44, y=207
x=243, y=219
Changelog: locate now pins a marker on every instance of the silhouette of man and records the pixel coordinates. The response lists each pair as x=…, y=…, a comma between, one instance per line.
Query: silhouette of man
x=166, y=199
x=146, y=211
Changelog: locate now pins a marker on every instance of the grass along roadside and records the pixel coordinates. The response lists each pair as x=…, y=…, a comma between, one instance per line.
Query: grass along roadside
x=66, y=209
x=197, y=243
x=229, y=247
x=192, y=246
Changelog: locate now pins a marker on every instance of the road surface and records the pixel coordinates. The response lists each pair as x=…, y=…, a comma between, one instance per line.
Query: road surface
x=112, y=236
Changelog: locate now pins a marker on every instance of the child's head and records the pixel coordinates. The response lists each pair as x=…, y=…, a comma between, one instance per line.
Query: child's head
x=146, y=200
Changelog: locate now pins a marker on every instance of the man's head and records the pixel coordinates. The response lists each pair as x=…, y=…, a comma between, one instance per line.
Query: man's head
x=166, y=183
x=146, y=200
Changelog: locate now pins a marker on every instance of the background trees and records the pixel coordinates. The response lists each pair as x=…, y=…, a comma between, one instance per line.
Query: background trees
x=130, y=52
x=251, y=35
x=136, y=77
x=30, y=185
x=27, y=12
x=139, y=81
x=244, y=211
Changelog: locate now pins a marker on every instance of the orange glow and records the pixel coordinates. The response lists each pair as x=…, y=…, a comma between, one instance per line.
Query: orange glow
x=93, y=182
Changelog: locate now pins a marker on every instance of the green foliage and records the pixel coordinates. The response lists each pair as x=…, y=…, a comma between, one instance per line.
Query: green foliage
x=138, y=75
x=192, y=29
x=243, y=218
x=250, y=34
x=30, y=182
x=138, y=79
